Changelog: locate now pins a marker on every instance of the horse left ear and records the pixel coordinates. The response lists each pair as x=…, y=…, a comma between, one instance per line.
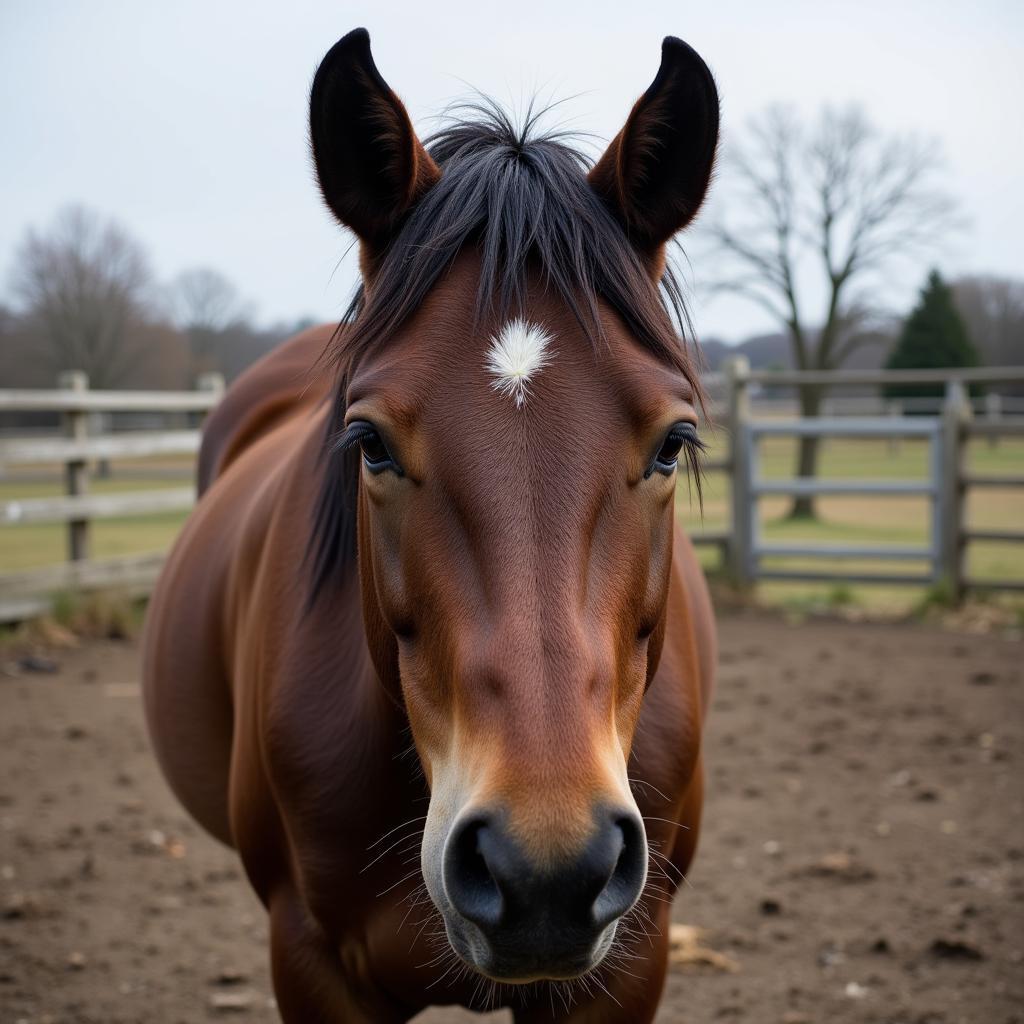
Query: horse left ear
x=656, y=171
x=371, y=166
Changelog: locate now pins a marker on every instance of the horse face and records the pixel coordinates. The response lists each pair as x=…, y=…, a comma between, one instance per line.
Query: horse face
x=515, y=544
x=515, y=512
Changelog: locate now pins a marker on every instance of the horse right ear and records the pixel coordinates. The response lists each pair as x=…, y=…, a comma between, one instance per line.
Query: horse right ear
x=656, y=171
x=371, y=167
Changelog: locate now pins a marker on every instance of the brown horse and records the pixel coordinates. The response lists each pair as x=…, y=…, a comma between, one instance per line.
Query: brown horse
x=431, y=652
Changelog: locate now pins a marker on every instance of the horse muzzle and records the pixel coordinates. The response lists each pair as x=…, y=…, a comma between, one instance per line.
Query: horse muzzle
x=516, y=920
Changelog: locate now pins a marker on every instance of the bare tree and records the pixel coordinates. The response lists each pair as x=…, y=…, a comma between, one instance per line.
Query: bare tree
x=207, y=307
x=83, y=286
x=993, y=309
x=204, y=298
x=838, y=202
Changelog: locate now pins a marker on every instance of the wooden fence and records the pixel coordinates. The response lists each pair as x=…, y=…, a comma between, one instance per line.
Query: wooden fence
x=23, y=594
x=744, y=552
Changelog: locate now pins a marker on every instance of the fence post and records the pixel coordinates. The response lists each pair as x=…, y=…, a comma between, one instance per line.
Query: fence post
x=956, y=411
x=212, y=381
x=993, y=412
x=737, y=369
x=76, y=471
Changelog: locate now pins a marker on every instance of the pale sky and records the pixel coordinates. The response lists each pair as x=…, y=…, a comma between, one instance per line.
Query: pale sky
x=187, y=121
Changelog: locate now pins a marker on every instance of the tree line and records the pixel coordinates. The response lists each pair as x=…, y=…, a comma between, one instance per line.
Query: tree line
x=85, y=297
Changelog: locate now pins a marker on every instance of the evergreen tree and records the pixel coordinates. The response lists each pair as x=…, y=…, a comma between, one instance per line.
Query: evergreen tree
x=933, y=337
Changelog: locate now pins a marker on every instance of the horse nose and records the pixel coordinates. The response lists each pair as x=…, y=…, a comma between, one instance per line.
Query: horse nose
x=492, y=882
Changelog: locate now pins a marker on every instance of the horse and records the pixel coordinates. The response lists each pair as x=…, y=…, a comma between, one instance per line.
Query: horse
x=431, y=652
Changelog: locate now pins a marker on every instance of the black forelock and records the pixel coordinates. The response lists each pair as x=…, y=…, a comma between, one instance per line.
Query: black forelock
x=520, y=195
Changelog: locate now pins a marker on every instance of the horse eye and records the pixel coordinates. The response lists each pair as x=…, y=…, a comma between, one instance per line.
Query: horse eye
x=668, y=455
x=376, y=456
x=375, y=452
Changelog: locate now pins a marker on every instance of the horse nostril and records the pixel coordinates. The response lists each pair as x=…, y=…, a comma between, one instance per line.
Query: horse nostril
x=626, y=881
x=470, y=885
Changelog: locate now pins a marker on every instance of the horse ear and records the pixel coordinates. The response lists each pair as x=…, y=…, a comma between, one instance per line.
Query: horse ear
x=370, y=165
x=656, y=171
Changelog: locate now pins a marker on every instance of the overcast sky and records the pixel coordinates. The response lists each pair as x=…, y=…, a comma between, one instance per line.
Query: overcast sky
x=187, y=121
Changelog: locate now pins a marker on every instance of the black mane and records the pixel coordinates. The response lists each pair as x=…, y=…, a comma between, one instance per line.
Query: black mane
x=522, y=198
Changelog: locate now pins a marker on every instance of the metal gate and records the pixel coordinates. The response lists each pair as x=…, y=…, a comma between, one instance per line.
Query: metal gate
x=756, y=549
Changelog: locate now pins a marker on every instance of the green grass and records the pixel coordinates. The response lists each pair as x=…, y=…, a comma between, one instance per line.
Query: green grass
x=28, y=546
x=902, y=520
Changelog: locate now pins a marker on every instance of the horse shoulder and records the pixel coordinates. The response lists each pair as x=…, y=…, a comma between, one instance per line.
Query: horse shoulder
x=191, y=665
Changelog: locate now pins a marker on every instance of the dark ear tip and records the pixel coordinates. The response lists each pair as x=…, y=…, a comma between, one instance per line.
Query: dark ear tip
x=352, y=50
x=680, y=58
x=674, y=50
x=354, y=46
x=357, y=39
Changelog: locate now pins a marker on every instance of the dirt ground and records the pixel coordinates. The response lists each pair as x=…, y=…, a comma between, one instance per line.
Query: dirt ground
x=862, y=858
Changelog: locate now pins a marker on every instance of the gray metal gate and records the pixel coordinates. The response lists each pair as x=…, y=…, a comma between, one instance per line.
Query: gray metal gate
x=756, y=549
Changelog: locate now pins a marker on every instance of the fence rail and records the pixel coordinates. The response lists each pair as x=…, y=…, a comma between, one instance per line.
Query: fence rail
x=87, y=507
x=30, y=593
x=71, y=398
x=747, y=557
x=114, y=446
x=879, y=378
x=810, y=487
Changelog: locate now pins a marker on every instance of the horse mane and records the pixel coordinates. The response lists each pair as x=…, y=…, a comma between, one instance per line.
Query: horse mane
x=520, y=196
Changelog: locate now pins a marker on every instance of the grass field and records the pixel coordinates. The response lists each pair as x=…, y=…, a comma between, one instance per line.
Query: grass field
x=28, y=546
x=850, y=519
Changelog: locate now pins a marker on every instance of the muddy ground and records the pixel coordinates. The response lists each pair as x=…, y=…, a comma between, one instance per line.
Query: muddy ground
x=862, y=858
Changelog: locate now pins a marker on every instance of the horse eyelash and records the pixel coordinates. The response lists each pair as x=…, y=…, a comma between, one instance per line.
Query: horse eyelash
x=350, y=436
x=693, y=447
x=692, y=455
x=696, y=447
x=693, y=451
